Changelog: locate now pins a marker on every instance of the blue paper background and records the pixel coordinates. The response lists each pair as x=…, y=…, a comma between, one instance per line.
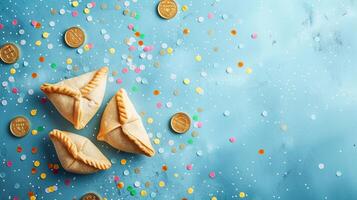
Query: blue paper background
x=303, y=76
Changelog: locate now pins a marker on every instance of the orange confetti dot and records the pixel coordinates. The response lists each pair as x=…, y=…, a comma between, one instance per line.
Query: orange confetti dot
x=41, y=59
x=156, y=92
x=33, y=170
x=31, y=193
x=240, y=64
x=34, y=150
x=186, y=31
x=261, y=151
x=50, y=165
x=137, y=34
x=38, y=25
x=140, y=42
x=164, y=168
x=34, y=75
x=233, y=32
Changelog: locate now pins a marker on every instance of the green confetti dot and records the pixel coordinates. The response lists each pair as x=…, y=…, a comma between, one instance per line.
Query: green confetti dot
x=137, y=16
x=134, y=29
x=130, y=188
x=133, y=192
x=53, y=66
x=190, y=141
x=195, y=118
x=40, y=128
x=142, y=36
x=135, y=88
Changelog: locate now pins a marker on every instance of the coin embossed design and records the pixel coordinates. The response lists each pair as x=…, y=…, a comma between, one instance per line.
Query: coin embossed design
x=19, y=126
x=167, y=9
x=9, y=53
x=180, y=122
x=74, y=37
x=91, y=196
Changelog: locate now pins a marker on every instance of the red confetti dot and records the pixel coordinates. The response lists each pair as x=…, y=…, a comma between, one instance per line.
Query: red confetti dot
x=261, y=151
x=41, y=59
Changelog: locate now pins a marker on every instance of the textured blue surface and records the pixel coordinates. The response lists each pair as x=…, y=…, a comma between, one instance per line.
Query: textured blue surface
x=298, y=104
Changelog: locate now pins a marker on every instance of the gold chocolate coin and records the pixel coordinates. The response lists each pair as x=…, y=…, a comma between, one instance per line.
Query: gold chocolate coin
x=167, y=9
x=180, y=122
x=19, y=126
x=91, y=196
x=74, y=37
x=9, y=53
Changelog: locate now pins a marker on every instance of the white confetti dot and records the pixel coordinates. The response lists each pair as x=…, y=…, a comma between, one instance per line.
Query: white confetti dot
x=229, y=70
x=126, y=172
x=23, y=157
x=62, y=11
x=338, y=173
x=264, y=113
x=22, y=42
x=52, y=23
x=20, y=100
x=171, y=142
x=89, y=18
x=164, y=45
x=50, y=46
x=169, y=104
x=200, y=19
x=30, y=91
x=161, y=150
x=4, y=83
x=226, y=113
x=21, y=31
x=137, y=184
x=4, y=102
x=321, y=166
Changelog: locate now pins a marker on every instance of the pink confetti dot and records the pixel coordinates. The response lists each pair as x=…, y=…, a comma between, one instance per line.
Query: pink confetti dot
x=74, y=13
x=15, y=90
x=189, y=167
x=148, y=48
x=232, y=139
x=210, y=15
x=116, y=178
x=125, y=70
x=212, y=174
x=9, y=163
x=93, y=4
x=130, y=26
x=137, y=70
x=33, y=23
x=1, y=26
x=15, y=198
x=159, y=105
x=43, y=100
x=14, y=22
x=199, y=124
x=132, y=48
x=67, y=182
x=254, y=35
x=90, y=45
x=119, y=81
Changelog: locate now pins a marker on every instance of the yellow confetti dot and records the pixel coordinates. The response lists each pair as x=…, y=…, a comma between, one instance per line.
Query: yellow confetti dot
x=33, y=198
x=34, y=132
x=45, y=35
x=123, y=161
x=198, y=58
x=156, y=141
x=162, y=184
x=190, y=190
x=241, y=194
x=38, y=43
x=199, y=90
x=12, y=71
x=86, y=11
x=33, y=112
x=111, y=50
x=150, y=120
x=176, y=175
x=36, y=163
x=69, y=61
x=169, y=50
x=214, y=198
x=143, y=193
x=75, y=3
x=86, y=47
x=184, y=8
x=249, y=70
x=43, y=176
x=186, y=81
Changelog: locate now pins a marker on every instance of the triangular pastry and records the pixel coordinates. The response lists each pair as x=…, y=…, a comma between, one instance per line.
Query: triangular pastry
x=78, y=154
x=78, y=99
x=122, y=128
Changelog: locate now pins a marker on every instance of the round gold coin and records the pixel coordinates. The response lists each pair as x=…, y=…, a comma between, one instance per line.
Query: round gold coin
x=167, y=9
x=180, y=122
x=19, y=126
x=74, y=37
x=9, y=53
x=90, y=196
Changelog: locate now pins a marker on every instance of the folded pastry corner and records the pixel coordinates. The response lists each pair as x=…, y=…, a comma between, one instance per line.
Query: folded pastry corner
x=78, y=154
x=122, y=128
x=78, y=99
